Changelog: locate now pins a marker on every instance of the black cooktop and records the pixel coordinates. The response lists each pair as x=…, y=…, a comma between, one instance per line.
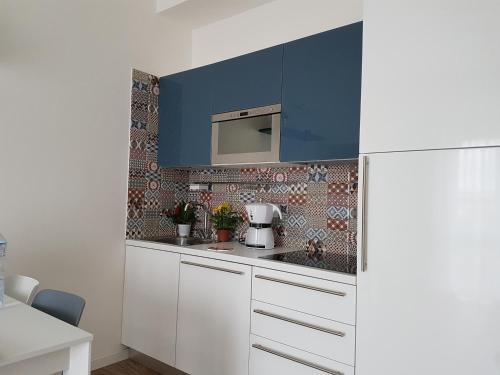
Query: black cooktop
x=326, y=260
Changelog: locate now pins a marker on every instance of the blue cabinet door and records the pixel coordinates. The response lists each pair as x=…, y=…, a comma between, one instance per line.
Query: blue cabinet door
x=185, y=123
x=248, y=81
x=322, y=96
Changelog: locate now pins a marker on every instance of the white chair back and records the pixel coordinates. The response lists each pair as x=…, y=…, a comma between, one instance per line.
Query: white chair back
x=22, y=288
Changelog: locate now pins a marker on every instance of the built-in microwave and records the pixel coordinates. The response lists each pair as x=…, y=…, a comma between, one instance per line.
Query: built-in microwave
x=246, y=137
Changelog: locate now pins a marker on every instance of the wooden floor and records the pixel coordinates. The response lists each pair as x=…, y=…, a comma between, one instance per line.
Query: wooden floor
x=127, y=367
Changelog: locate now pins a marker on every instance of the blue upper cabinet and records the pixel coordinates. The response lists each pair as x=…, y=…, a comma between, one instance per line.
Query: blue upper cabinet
x=248, y=81
x=322, y=95
x=185, y=123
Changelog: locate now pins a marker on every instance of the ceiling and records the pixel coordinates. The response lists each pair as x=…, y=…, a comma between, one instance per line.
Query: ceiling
x=197, y=13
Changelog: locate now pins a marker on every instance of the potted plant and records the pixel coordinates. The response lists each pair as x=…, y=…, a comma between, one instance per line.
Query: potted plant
x=183, y=215
x=225, y=221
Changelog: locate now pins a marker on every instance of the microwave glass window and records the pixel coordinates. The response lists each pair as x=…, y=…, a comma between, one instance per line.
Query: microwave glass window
x=247, y=135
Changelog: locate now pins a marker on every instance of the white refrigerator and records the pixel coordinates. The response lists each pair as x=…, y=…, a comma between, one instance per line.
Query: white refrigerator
x=429, y=263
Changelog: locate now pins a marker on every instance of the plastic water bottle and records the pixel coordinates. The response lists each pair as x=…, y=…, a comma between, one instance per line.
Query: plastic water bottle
x=3, y=248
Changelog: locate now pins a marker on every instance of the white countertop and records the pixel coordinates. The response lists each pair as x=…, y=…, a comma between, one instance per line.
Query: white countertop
x=244, y=255
x=26, y=333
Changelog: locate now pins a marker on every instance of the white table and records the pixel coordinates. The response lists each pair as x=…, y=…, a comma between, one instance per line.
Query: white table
x=32, y=342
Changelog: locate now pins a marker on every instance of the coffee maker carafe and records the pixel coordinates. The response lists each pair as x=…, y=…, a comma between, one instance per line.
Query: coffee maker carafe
x=260, y=233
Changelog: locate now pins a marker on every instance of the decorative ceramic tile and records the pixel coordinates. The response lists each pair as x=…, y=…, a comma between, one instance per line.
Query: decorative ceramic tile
x=138, y=125
x=298, y=188
x=136, y=183
x=317, y=173
x=248, y=174
x=135, y=198
x=295, y=238
x=334, y=212
x=296, y=221
x=232, y=188
x=139, y=135
x=297, y=169
x=337, y=224
x=338, y=188
x=316, y=234
x=205, y=197
x=341, y=200
x=353, y=188
x=140, y=76
x=263, y=188
x=140, y=85
x=246, y=197
x=353, y=224
x=280, y=177
x=280, y=188
x=297, y=199
x=264, y=174
x=152, y=144
x=352, y=238
x=153, y=184
x=339, y=172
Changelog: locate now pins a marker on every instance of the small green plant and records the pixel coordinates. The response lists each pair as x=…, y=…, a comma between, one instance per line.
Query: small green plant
x=223, y=217
x=182, y=213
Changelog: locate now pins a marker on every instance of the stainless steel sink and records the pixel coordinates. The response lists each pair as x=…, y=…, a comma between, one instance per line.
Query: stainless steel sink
x=181, y=241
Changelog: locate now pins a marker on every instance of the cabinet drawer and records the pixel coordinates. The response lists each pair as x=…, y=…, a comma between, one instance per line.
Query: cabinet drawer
x=327, y=299
x=269, y=357
x=321, y=336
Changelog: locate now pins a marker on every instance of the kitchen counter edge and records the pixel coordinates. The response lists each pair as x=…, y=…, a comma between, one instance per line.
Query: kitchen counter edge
x=243, y=255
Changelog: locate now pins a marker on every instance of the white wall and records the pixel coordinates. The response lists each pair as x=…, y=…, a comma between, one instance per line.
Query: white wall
x=270, y=24
x=65, y=73
x=162, y=5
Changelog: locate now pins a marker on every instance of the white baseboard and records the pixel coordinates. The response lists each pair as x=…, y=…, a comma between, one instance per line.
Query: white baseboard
x=110, y=359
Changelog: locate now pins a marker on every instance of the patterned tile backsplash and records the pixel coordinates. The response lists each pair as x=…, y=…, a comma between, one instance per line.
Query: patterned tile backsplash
x=319, y=201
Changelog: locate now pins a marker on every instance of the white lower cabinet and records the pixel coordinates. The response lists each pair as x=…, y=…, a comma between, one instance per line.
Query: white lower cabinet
x=313, y=334
x=272, y=358
x=213, y=317
x=150, y=302
x=327, y=299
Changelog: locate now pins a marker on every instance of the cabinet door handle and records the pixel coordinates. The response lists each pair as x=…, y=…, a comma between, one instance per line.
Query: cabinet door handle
x=212, y=267
x=364, y=255
x=296, y=360
x=298, y=322
x=334, y=292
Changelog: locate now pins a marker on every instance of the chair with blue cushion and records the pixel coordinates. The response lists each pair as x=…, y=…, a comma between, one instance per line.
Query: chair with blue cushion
x=61, y=305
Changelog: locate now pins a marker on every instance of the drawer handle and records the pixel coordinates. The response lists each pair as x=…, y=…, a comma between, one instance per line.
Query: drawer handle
x=303, y=324
x=334, y=292
x=212, y=267
x=297, y=360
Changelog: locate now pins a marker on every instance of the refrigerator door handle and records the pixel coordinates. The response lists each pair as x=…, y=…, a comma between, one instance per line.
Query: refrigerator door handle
x=364, y=204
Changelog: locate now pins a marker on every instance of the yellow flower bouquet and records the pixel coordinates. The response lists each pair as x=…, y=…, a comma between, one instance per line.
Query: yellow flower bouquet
x=225, y=220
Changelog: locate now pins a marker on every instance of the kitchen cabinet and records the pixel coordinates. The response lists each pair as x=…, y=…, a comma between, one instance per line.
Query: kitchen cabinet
x=185, y=123
x=248, y=81
x=321, y=96
x=271, y=357
x=429, y=296
x=327, y=299
x=150, y=302
x=310, y=333
x=430, y=87
x=214, y=317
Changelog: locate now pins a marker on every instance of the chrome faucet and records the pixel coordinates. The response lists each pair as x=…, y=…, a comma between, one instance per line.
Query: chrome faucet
x=205, y=233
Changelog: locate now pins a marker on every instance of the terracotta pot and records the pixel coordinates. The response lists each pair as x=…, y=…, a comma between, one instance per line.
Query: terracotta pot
x=223, y=235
